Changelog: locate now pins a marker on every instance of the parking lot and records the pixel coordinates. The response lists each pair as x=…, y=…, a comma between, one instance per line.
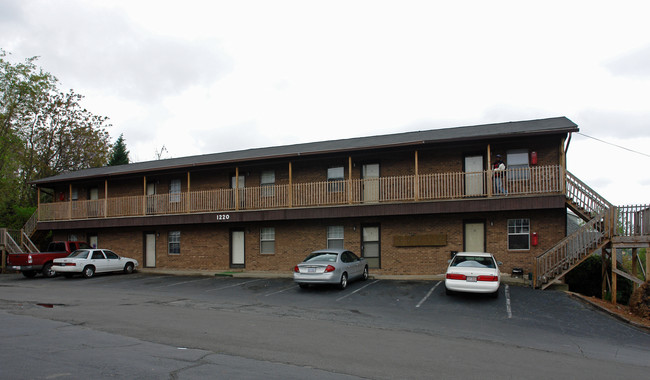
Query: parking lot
x=541, y=321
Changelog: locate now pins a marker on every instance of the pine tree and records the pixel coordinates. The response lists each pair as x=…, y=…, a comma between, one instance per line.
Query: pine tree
x=119, y=154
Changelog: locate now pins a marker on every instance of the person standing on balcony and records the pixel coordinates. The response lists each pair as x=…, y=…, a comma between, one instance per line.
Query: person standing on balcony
x=499, y=175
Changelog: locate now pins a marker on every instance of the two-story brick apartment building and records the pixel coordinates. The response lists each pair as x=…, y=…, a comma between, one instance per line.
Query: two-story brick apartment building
x=404, y=201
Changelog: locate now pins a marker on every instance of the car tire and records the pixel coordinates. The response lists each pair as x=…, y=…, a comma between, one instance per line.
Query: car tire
x=88, y=271
x=303, y=286
x=344, y=281
x=47, y=271
x=29, y=273
x=128, y=268
x=364, y=276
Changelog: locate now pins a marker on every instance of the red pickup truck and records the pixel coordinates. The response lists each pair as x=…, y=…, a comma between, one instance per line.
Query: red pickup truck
x=29, y=264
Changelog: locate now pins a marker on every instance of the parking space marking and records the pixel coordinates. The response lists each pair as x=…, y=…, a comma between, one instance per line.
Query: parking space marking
x=428, y=294
x=508, y=308
x=283, y=290
x=182, y=282
x=363, y=287
x=232, y=286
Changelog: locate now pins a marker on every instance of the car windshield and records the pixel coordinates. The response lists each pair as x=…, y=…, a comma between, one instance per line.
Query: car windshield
x=473, y=262
x=79, y=254
x=321, y=256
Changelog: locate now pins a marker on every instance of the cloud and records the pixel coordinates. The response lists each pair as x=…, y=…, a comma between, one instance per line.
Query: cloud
x=634, y=64
x=101, y=48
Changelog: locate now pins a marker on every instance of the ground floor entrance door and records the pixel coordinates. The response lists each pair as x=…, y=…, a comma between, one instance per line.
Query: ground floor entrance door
x=474, y=237
x=370, y=247
x=237, y=252
x=150, y=250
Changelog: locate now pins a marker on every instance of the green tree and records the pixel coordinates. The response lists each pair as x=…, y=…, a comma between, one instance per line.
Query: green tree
x=119, y=154
x=43, y=132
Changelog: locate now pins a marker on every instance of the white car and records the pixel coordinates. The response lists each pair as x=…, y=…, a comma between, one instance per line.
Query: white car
x=473, y=272
x=87, y=262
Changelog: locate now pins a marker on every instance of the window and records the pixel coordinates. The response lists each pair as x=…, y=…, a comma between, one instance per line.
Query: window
x=336, y=176
x=335, y=237
x=175, y=190
x=174, y=242
x=268, y=182
x=267, y=240
x=517, y=164
x=111, y=255
x=74, y=194
x=518, y=234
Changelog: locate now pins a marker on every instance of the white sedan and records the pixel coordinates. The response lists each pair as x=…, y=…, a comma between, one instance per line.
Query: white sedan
x=473, y=272
x=87, y=262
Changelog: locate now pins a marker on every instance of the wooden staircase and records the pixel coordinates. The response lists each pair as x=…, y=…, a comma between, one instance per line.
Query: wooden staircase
x=594, y=235
x=602, y=221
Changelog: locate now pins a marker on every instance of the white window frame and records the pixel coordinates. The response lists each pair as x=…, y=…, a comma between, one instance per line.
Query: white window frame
x=175, y=191
x=335, y=237
x=267, y=240
x=517, y=159
x=267, y=183
x=519, y=227
x=174, y=243
x=335, y=175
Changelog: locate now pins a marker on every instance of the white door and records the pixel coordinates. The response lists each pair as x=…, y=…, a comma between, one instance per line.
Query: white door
x=151, y=198
x=237, y=248
x=92, y=240
x=370, y=174
x=474, y=175
x=150, y=250
x=370, y=246
x=475, y=237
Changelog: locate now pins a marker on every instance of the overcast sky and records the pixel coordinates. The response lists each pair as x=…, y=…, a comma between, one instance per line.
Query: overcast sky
x=201, y=77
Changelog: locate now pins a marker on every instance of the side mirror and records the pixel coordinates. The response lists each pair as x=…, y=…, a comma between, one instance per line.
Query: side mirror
x=499, y=263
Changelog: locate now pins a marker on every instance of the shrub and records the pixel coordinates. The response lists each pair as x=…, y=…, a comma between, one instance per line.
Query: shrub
x=640, y=301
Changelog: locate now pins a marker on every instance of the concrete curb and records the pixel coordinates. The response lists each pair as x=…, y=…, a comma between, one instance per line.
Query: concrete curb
x=598, y=307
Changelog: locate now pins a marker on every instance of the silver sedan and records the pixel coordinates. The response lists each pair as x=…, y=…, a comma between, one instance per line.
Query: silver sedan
x=330, y=266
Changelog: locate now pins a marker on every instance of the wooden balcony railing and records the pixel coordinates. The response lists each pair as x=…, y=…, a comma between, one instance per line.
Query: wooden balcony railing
x=409, y=188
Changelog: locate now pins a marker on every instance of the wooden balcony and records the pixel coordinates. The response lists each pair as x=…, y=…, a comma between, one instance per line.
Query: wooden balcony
x=538, y=180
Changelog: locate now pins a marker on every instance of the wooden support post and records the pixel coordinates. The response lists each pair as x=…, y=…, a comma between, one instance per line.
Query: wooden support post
x=562, y=167
x=489, y=166
x=290, y=184
x=187, y=201
x=38, y=203
x=349, y=179
x=144, y=196
x=416, y=180
x=70, y=202
x=105, y=198
x=634, y=269
x=614, y=275
x=603, y=260
x=237, y=188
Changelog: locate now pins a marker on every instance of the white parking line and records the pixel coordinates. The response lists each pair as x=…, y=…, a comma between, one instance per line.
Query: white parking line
x=232, y=286
x=182, y=282
x=508, y=308
x=363, y=287
x=280, y=291
x=428, y=294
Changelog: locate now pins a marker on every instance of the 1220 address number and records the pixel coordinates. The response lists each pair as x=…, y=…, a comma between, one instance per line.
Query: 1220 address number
x=223, y=217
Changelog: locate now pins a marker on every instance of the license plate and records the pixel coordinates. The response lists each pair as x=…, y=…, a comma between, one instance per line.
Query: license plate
x=311, y=270
x=471, y=278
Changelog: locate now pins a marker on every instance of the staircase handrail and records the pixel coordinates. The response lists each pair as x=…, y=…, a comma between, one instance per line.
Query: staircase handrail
x=10, y=243
x=27, y=243
x=575, y=247
x=584, y=196
x=30, y=225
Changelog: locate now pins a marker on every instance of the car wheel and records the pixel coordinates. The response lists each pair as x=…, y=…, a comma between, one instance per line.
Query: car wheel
x=344, y=281
x=128, y=268
x=48, y=271
x=364, y=276
x=89, y=271
x=29, y=273
x=303, y=286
